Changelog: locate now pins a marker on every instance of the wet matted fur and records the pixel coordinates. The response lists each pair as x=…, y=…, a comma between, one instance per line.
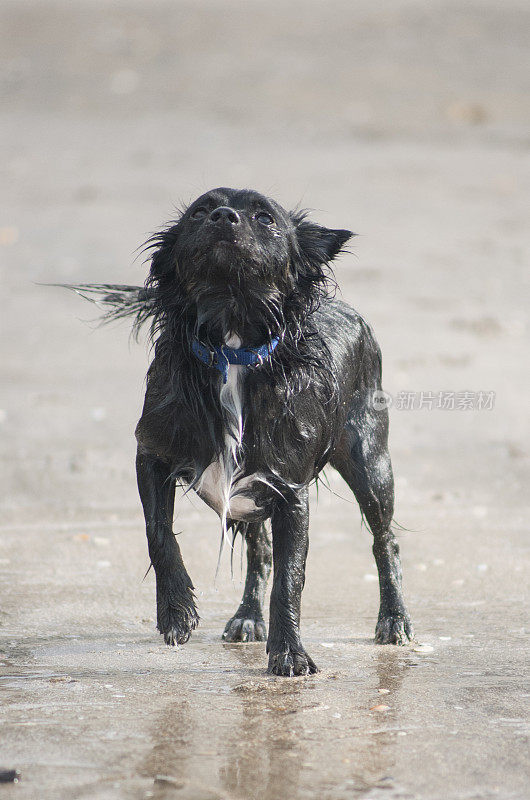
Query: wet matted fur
x=237, y=270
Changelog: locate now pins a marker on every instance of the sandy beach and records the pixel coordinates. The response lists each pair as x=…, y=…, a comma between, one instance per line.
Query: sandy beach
x=405, y=122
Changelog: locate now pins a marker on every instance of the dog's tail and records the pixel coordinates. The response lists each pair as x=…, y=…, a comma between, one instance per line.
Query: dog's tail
x=116, y=301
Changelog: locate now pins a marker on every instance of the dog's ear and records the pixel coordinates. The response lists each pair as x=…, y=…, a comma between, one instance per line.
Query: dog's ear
x=314, y=248
x=317, y=244
x=162, y=245
x=163, y=257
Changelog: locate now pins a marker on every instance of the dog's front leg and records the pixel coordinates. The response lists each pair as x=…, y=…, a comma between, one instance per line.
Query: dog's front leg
x=176, y=612
x=290, y=524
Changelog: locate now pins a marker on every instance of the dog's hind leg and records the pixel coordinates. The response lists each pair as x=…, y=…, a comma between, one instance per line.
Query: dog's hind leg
x=363, y=460
x=176, y=612
x=290, y=526
x=247, y=624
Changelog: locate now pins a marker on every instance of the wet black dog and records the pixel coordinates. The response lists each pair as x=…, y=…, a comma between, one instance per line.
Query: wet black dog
x=259, y=380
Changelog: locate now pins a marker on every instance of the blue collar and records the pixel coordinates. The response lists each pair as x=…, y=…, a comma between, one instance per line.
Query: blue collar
x=221, y=357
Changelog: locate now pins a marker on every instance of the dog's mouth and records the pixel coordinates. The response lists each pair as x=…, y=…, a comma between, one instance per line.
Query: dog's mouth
x=227, y=255
x=214, y=234
x=226, y=264
x=221, y=249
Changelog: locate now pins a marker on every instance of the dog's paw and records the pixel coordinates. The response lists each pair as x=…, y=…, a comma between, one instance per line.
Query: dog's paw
x=394, y=630
x=176, y=624
x=290, y=663
x=245, y=629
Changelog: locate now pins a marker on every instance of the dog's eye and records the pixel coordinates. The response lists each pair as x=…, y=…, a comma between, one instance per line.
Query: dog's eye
x=199, y=213
x=265, y=218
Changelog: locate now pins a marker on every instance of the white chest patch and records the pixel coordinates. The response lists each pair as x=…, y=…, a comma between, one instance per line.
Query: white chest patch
x=223, y=482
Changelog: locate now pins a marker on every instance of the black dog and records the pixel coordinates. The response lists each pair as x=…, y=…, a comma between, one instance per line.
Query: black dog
x=259, y=380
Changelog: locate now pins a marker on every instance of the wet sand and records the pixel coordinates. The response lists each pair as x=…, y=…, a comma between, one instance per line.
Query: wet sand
x=408, y=125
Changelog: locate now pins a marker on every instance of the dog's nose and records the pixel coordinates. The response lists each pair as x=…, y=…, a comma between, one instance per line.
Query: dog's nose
x=225, y=214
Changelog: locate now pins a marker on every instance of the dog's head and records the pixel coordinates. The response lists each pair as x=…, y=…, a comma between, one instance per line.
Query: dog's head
x=240, y=259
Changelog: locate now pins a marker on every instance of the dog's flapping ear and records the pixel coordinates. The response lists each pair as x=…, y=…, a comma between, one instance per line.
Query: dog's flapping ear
x=317, y=244
x=162, y=247
x=314, y=248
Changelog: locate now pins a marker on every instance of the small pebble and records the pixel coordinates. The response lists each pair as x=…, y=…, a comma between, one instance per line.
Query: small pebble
x=168, y=780
x=8, y=235
x=380, y=707
x=445, y=638
x=327, y=644
x=423, y=648
x=384, y=691
x=467, y=112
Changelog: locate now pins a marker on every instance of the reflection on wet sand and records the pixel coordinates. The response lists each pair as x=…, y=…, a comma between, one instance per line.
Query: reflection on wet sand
x=264, y=738
x=285, y=733
x=374, y=745
x=173, y=745
x=265, y=750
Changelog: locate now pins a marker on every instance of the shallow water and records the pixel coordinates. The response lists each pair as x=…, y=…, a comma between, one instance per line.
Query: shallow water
x=106, y=710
